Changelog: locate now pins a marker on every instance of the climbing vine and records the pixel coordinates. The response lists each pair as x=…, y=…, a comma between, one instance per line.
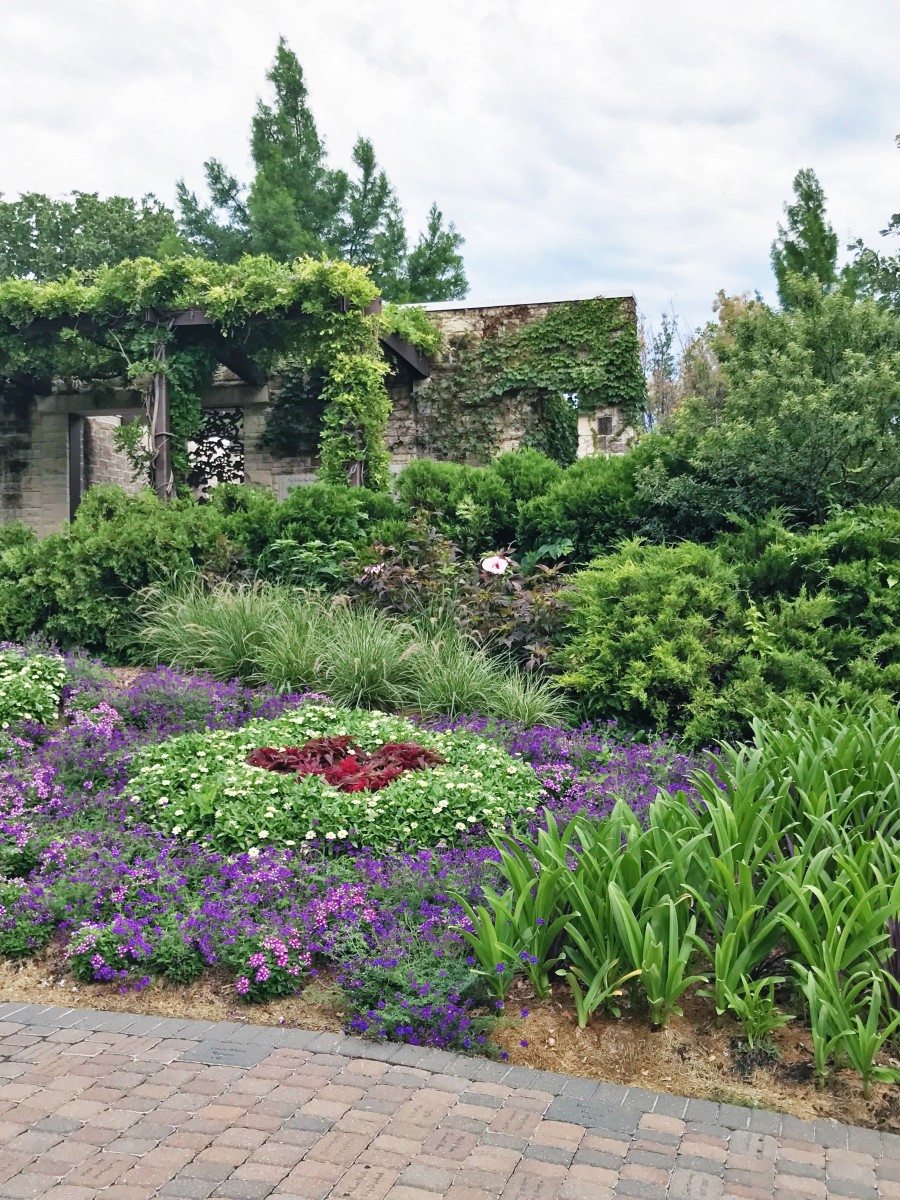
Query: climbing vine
x=581, y=356
x=309, y=314
x=357, y=408
x=411, y=323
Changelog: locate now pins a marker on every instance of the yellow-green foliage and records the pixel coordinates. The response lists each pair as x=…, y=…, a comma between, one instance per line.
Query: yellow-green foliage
x=281, y=311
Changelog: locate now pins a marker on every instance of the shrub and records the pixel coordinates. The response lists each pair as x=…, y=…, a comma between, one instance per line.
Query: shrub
x=30, y=687
x=201, y=784
x=249, y=514
x=519, y=616
x=76, y=587
x=593, y=503
x=656, y=631
x=477, y=506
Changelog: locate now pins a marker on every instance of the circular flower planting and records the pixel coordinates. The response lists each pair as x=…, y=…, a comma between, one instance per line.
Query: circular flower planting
x=330, y=775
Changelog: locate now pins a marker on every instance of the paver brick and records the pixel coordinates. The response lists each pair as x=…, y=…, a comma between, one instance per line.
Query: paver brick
x=98, y=1106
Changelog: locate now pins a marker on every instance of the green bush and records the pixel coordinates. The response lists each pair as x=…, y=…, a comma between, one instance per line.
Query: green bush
x=200, y=784
x=250, y=517
x=30, y=687
x=77, y=587
x=478, y=507
x=656, y=631
x=323, y=512
x=700, y=639
x=593, y=503
x=15, y=534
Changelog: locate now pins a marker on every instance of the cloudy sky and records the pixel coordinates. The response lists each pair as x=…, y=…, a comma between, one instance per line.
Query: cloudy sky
x=580, y=147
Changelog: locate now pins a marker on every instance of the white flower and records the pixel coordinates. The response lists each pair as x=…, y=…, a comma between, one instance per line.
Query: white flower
x=330, y=836
x=310, y=834
x=342, y=833
x=496, y=564
x=263, y=833
x=253, y=852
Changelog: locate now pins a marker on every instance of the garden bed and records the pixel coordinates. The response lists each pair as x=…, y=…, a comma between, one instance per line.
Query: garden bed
x=176, y=846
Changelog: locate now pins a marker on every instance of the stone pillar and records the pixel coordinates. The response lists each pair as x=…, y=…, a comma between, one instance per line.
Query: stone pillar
x=45, y=482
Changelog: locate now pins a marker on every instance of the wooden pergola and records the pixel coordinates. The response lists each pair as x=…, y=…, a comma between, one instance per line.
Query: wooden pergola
x=228, y=351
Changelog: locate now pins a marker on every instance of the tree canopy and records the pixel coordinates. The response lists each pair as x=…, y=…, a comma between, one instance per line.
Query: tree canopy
x=44, y=239
x=803, y=415
x=297, y=204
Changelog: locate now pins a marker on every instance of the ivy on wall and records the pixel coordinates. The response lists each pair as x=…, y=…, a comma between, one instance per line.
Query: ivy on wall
x=296, y=419
x=584, y=349
x=104, y=329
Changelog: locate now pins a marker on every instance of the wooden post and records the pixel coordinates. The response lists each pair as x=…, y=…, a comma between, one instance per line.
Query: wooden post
x=160, y=434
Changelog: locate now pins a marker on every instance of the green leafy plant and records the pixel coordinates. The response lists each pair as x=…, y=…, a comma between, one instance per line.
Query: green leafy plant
x=660, y=951
x=753, y=1003
x=30, y=687
x=519, y=928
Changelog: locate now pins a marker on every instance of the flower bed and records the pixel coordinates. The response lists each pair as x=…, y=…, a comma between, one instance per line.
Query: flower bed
x=424, y=928
x=89, y=859
x=223, y=785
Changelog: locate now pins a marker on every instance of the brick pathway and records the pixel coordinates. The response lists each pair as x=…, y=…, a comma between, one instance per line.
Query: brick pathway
x=128, y=1108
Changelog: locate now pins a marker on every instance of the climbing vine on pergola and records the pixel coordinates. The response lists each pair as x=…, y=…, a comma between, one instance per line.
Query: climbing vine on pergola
x=163, y=326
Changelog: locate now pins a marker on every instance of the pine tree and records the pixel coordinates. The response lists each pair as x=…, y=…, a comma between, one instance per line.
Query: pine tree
x=295, y=200
x=807, y=245
x=219, y=230
x=435, y=270
x=298, y=205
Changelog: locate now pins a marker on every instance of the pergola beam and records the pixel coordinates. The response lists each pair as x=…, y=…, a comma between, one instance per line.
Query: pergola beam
x=229, y=352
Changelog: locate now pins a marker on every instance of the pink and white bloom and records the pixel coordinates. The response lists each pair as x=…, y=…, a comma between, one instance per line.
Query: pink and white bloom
x=495, y=564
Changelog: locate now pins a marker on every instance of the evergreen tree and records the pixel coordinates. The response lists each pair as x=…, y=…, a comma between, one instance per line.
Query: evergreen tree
x=298, y=205
x=435, y=270
x=807, y=245
x=372, y=233
x=878, y=275
x=219, y=230
x=295, y=200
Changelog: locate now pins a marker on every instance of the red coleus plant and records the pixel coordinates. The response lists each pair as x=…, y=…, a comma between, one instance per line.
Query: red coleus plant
x=343, y=765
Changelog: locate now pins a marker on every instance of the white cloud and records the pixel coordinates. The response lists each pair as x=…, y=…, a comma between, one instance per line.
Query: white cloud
x=642, y=146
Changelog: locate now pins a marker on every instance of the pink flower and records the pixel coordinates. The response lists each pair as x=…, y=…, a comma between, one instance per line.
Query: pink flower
x=495, y=564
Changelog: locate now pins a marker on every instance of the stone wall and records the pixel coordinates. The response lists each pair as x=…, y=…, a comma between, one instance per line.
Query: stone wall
x=35, y=431
x=103, y=462
x=16, y=420
x=42, y=473
x=414, y=416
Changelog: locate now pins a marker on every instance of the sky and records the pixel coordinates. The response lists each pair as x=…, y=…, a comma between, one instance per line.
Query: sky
x=581, y=148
